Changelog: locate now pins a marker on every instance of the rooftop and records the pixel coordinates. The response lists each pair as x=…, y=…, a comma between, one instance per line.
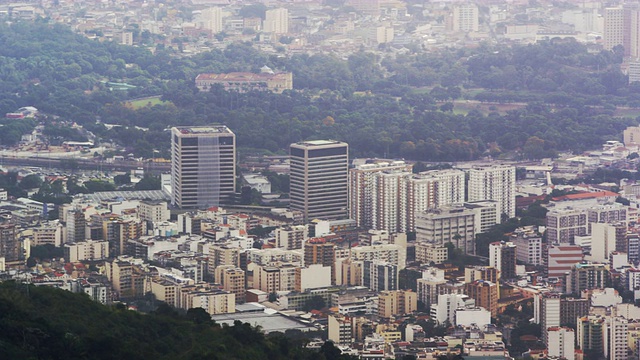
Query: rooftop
x=310, y=143
x=268, y=322
x=210, y=129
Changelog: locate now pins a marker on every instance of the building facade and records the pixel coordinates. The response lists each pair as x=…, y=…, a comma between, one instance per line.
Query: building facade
x=494, y=183
x=319, y=179
x=203, y=166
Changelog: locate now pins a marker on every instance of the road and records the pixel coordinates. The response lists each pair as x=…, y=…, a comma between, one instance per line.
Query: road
x=85, y=164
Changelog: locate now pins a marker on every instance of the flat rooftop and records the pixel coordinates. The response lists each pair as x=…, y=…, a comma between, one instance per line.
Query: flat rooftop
x=210, y=129
x=268, y=322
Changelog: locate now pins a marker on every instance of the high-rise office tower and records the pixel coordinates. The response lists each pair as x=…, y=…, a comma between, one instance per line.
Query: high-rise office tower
x=494, y=183
x=203, y=171
x=319, y=179
x=276, y=21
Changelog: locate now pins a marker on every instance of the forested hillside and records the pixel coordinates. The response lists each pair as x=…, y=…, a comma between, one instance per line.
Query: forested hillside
x=47, y=323
x=399, y=106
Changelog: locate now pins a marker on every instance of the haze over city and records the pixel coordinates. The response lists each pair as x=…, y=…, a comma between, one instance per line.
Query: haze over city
x=322, y=179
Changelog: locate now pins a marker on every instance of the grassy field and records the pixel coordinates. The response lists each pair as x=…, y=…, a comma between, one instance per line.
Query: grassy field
x=150, y=101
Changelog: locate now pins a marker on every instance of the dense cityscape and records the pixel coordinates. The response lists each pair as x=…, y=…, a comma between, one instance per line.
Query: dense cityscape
x=359, y=179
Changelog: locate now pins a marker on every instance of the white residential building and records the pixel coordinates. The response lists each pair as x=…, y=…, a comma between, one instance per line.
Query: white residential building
x=276, y=21
x=445, y=309
x=561, y=342
x=494, y=183
x=528, y=247
x=86, y=250
x=465, y=17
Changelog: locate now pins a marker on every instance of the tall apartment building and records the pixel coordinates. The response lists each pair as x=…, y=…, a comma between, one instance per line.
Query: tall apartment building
x=276, y=21
x=211, y=19
x=455, y=224
x=390, y=253
x=622, y=27
x=379, y=275
x=387, y=196
x=125, y=278
x=556, y=311
x=444, y=308
x=604, y=238
x=213, y=301
x=362, y=189
x=318, y=176
x=320, y=251
x=396, y=303
x=117, y=232
x=232, y=280
x=203, y=166
x=340, y=329
x=223, y=255
x=631, y=136
x=428, y=286
x=528, y=247
x=48, y=233
x=614, y=33
x=388, y=202
x=428, y=253
x=465, y=18
x=76, y=226
x=563, y=225
x=485, y=294
x=561, y=342
x=585, y=276
x=560, y=259
x=494, y=183
x=502, y=256
x=590, y=333
x=10, y=245
x=615, y=340
x=291, y=237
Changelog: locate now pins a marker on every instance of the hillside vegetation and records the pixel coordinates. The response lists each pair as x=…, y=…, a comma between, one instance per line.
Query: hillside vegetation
x=399, y=106
x=47, y=323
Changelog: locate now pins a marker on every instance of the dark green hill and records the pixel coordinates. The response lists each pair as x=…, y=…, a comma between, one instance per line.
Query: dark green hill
x=48, y=323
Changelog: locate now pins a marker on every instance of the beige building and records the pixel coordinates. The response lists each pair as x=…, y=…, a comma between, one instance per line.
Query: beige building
x=127, y=279
x=465, y=18
x=485, y=293
x=276, y=21
x=86, y=251
x=214, y=301
x=397, y=303
x=153, y=211
x=631, y=136
x=164, y=290
x=232, y=280
x=340, y=329
x=291, y=237
x=427, y=253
